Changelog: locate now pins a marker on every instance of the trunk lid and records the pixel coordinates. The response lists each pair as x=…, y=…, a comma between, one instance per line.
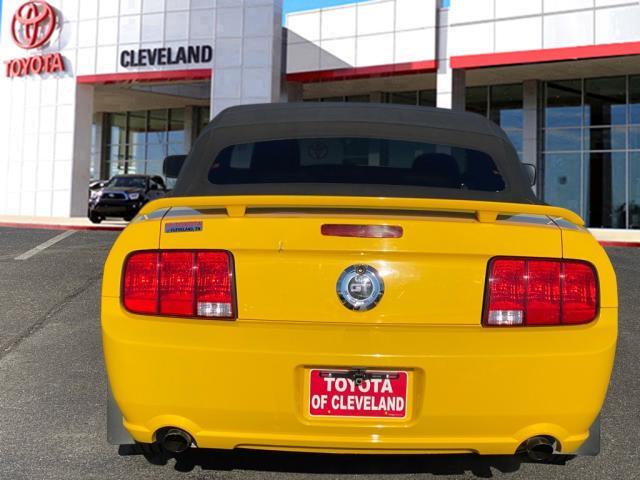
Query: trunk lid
x=287, y=270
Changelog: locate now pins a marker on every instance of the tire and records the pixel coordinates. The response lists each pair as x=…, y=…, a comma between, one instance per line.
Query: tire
x=95, y=218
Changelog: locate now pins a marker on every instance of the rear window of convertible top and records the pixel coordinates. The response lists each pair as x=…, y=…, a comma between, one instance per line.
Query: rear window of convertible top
x=356, y=161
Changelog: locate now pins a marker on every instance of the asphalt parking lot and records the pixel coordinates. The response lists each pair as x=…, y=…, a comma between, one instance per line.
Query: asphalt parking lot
x=52, y=387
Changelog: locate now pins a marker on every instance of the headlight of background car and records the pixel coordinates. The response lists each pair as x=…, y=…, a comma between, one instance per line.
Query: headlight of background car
x=134, y=196
x=96, y=194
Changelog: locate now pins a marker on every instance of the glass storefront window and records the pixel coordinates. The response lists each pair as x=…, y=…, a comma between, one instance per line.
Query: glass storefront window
x=357, y=98
x=423, y=98
x=157, y=131
x=605, y=101
x=634, y=100
x=137, y=127
x=562, y=180
x=562, y=139
x=403, y=98
x=204, y=117
x=607, y=191
x=477, y=100
x=96, y=147
x=605, y=138
x=118, y=130
x=516, y=138
x=633, y=186
x=593, y=119
x=176, y=126
x=563, y=104
x=175, y=149
x=505, y=106
x=141, y=140
x=634, y=138
x=427, y=98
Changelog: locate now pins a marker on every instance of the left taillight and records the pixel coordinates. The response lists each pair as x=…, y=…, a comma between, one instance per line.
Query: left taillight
x=180, y=283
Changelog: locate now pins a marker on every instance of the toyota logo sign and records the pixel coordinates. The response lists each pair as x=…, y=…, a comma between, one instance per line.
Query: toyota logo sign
x=33, y=24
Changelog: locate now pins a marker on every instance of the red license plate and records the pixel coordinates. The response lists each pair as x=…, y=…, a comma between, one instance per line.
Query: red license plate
x=340, y=393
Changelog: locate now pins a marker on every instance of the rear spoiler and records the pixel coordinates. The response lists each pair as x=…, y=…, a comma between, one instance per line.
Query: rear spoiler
x=485, y=212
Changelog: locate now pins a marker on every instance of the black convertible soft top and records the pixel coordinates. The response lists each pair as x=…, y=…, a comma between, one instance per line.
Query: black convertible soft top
x=267, y=122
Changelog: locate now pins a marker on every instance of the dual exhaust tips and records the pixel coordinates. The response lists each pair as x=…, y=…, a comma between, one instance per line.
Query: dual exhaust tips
x=538, y=449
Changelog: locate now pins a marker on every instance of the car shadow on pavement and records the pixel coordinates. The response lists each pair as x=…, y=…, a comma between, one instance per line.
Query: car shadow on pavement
x=315, y=463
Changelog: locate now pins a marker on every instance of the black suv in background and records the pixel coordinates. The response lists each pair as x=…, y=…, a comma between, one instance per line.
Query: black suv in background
x=123, y=196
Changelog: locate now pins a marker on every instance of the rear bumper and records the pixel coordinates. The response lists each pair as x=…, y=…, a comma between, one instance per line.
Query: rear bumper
x=242, y=384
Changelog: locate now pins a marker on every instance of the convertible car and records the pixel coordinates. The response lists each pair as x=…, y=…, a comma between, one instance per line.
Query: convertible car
x=357, y=278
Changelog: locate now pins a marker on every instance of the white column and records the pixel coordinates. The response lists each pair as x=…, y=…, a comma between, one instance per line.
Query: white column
x=81, y=162
x=248, y=54
x=450, y=83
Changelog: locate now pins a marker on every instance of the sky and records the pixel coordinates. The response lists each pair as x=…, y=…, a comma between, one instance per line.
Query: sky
x=298, y=5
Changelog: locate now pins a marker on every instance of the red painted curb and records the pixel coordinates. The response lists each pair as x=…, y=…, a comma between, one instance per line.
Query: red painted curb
x=620, y=244
x=41, y=226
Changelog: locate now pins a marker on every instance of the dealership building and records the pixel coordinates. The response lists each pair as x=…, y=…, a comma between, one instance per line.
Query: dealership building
x=93, y=88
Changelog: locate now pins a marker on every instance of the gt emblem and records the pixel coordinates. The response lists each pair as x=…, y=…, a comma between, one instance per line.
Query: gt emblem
x=360, y=288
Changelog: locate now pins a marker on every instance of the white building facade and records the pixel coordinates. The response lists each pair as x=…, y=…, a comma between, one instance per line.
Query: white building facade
x=138, y=80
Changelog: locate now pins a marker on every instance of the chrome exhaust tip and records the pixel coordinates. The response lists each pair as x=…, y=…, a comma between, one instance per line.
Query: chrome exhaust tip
x=176, y=440
x=539, y=449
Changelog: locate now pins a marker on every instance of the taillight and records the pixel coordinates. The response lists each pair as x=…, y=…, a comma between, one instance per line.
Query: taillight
x=530, y=291
x=361, y=231
x=180, y=283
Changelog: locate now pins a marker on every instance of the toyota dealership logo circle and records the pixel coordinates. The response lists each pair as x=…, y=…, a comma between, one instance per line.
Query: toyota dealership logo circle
x=33, y=24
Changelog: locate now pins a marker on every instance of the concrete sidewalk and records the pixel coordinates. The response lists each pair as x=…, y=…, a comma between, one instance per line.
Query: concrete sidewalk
x=616, y=238
x=60, y=223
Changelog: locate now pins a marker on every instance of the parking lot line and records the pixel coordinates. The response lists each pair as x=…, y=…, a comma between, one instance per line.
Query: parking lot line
x=43, y=246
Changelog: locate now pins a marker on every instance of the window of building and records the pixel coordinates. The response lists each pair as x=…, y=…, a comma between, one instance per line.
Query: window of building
x=96, y=148
x=423, y=98
x=591, y=149
x=503, y=105
x=139, y=141
x=203, y=115
x=347, y=98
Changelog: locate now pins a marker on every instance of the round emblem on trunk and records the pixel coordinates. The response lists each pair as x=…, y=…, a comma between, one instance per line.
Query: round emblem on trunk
x=360, y=287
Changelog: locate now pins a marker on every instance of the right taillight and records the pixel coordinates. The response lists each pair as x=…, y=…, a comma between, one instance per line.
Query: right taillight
x=532, y=292
x=180, y=283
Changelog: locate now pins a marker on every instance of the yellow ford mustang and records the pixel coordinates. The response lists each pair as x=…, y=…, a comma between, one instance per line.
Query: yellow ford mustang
x=357, y=278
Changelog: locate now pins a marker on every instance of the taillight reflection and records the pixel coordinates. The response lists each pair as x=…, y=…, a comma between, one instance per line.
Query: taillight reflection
x=179, y=283
x=528, y=292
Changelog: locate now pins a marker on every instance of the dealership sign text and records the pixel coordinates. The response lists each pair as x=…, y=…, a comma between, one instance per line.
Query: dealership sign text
x=37, y=65
x=151, y=57
x=32, y=27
